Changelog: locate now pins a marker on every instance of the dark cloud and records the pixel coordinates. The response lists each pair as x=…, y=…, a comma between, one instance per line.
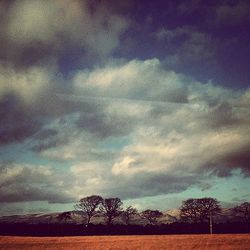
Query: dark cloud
x=46, y=145
x=16, y=124
x=104, y=125
x=194, y=7
x=46, y=139
x=46, y=133
x=143, y=185
x=30, y=183
x=52, y=30
x=232, y=12
x=30, y=193
x=219, y=116
x=192, y=37
x=196, y=51
x=240, y=159
x=19, y=122
x=220, y=13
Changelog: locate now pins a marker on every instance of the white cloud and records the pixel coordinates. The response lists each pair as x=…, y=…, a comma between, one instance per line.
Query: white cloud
x=180, y=141
x=16, y=171
x=185, y=139
x=180, y=153
x=168, y=146
x=31, y=20
x=56, y=22
x=89, y=178
x=29, y=85
x=135, y=79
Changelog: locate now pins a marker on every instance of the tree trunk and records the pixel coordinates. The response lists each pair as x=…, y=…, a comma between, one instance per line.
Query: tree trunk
x=211, y=223
x=88, y=220
x=109, y=220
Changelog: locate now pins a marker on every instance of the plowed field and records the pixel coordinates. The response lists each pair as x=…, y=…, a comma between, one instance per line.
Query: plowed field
x=153, y=242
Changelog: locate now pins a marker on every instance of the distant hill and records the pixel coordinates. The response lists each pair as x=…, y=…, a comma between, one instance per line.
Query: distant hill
x=75, y=217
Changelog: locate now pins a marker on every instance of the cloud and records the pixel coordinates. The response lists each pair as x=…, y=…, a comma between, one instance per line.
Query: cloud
x=232, y=14
x=104, y=124
x=17, y=125
x=28, y=85
x=21, y=182
x=31, y=54
x=162, y=135
x=188, y=8
x=172, y=151
x=94, y=177
x=63, y=139
x=135, y=80
x=119, y=126
x=47, y=28
x=130, y=131
x=199, y=46
x=27, y=98
x=194, y=46
x=224, y=13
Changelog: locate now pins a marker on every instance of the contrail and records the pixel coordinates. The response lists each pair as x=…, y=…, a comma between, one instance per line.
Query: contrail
x=194, y=105
x=83, y=98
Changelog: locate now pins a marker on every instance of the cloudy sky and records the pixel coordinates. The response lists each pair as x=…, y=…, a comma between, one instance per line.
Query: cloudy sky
x=143, y=100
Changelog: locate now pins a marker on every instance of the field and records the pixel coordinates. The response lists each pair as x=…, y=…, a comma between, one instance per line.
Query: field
x=153, y=242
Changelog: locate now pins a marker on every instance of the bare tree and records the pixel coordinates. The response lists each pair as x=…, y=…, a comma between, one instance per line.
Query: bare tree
x=200, y=210
x=111, y=208
x=89, y=206
x=190, y=211
x=151, y=215
x=242, y=211
x=128, y=213
x=64, y=217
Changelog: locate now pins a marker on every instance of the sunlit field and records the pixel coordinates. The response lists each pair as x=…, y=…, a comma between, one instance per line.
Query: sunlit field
x=236, y=241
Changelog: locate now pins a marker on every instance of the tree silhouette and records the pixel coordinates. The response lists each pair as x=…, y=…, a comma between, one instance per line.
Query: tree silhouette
x=64, y=217
x=200, y=210
x=190, y=211
x=128, y=213
x=151, y=215
x=242, y=211
x=111, y=208
x=89, y=205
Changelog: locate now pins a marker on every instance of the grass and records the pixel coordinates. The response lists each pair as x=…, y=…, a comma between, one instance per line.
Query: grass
x=152, y=242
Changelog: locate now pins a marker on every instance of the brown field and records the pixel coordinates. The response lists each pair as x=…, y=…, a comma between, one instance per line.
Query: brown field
x=153, y=242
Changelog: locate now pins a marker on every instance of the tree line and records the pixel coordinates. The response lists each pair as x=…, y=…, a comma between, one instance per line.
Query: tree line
x=200, y=210
x=197, y=216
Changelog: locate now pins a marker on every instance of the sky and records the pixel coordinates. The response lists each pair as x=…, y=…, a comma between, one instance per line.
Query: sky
x=147, y=101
